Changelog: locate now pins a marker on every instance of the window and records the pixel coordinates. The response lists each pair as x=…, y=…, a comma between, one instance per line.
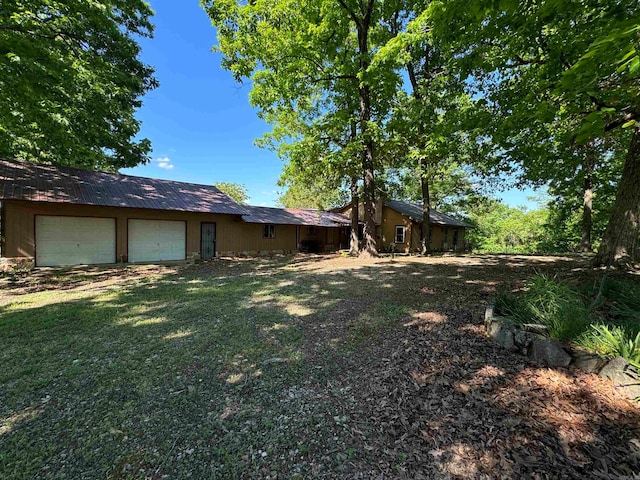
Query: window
x=446, y=235
x=269, y=231
x=312, y=230
x=455, y=237
x=399, y=237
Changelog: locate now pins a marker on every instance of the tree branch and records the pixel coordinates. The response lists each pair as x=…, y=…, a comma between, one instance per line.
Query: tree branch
x=351, y=13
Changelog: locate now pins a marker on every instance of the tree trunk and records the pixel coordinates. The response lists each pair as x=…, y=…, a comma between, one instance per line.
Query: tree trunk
x=587, y=201
x=620, y=240
x=368, y=165
x=354, y=248
x=426, y=208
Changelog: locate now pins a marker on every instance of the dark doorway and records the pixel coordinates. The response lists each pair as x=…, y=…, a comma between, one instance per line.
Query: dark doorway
x=207, y=240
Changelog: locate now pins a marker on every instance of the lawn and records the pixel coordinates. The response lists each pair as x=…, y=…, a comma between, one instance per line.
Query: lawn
x=294, y=367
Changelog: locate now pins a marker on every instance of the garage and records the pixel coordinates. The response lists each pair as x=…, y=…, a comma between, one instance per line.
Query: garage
x=156, y=240
x=74, y=240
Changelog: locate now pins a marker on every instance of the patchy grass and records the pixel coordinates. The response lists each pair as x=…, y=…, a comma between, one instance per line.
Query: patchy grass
x=280, y=368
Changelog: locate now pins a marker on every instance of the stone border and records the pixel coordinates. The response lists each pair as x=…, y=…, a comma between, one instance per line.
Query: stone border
x=533, y=341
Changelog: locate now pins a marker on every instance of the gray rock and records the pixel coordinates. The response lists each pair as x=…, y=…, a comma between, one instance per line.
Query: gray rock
x=624, y=377
x=524, y=340
x=488, y=315
x=587, y=361
x=549, y=352
x=502, y=332
x=536, y=328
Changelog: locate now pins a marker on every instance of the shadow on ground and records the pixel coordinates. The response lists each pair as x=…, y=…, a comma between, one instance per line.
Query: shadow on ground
x=317, y=366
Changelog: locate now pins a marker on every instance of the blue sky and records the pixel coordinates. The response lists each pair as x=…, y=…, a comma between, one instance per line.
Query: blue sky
x=199, y=120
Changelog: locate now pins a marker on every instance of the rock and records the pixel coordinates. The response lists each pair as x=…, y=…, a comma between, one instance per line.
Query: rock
x=524, y=340
x=502, y=332
x=549, y=352
x=536, y=328
x=488, y=315
x=624, y=377
x=587, y=361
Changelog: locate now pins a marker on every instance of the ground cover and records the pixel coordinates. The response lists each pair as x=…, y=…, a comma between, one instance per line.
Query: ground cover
x=293, y=367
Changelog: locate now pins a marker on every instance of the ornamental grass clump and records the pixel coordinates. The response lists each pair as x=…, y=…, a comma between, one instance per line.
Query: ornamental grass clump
x=613, y=341
x=551, y=302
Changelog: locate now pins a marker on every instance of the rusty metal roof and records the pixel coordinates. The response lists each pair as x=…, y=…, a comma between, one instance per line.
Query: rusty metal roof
x=295, y=216
x=47, y=183
x=414, y=212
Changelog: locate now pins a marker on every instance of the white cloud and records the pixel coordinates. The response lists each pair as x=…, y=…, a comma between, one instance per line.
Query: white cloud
x=164, y=162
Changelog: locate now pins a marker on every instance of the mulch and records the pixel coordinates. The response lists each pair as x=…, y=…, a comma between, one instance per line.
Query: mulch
x=446, y=402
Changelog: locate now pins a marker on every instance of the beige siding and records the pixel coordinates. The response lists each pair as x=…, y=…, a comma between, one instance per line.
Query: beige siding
x=232, y=234
x=386, y=234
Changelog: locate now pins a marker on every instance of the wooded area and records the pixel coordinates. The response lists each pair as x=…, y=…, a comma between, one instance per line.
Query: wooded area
x=430, y=100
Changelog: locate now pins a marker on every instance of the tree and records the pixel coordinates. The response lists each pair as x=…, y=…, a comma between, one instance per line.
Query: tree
x=71, y=81
x=561, y=71
x=315, y=62
x=237, y=191
x=312, y=194
x=504, y=229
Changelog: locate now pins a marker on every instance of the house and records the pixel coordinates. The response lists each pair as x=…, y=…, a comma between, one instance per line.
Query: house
x=400, y=223
x=67, y=216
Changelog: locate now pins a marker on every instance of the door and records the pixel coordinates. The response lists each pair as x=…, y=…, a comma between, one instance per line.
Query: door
x=207, y=240
x=156, y=240
x=74, y=240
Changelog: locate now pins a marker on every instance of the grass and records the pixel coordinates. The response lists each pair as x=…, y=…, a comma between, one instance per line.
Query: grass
x=551, y=302
x=181, y=366
x=242, y=369
x=610, y=328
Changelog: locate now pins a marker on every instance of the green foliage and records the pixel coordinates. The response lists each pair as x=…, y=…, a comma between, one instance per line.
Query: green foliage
x=314, y=196
x=551, y=302
x=504, y=229
x=622, y=300
x=451, y=189
x=237, y=191
x=613, y=341
x=557, y=77
x=71, y=81
x=609, y=329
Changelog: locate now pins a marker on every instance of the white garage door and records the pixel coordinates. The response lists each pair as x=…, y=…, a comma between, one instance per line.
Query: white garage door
x=75, y=240
x=156, y=240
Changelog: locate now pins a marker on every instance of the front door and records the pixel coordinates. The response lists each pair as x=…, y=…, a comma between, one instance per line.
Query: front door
x=208, y=240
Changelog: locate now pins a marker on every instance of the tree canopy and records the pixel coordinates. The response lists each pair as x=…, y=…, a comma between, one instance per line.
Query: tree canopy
x=71, y=81
x=236, y=191
x=545, y=92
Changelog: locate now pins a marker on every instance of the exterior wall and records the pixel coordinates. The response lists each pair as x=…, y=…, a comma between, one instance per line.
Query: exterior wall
x=386, y=233
x=233, y=236
x=441, y=241
x=249, y=237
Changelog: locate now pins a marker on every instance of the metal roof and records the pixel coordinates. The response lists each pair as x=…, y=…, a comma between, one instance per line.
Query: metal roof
x=47, y=183
x=414, y=212
x=295, y=216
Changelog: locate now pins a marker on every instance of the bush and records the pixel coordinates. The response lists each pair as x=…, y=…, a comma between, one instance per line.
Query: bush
x=567, y=313
x=613, y=341
x=551, y=302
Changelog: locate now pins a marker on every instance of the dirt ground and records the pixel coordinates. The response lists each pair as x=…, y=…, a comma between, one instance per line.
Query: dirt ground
x=411, y=386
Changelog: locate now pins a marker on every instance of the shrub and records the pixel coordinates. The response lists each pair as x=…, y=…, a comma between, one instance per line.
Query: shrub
x=613, y=341
x=550, y=302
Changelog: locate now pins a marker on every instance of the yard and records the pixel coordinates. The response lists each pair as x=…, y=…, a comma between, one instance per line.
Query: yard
x=293, y=367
